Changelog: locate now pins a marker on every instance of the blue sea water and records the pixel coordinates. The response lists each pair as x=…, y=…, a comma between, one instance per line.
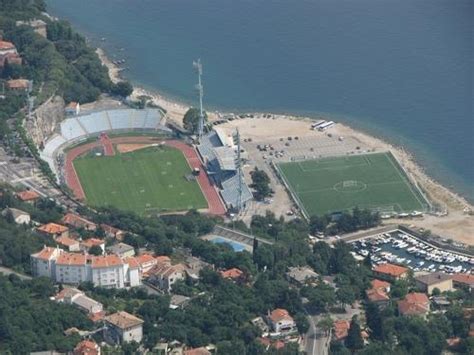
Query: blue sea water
x=400, y=69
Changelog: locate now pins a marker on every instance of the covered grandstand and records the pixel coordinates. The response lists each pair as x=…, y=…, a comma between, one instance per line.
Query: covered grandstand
x=220, y=158
x=78, y=128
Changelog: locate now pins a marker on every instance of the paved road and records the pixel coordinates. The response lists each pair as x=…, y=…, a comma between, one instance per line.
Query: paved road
x=316, y=342
x=6, y=271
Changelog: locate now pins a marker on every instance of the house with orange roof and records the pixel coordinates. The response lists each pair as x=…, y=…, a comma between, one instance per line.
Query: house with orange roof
x=43, y=262
x=146, y=262
x=123, y=327
x=414, y=304
x=380, y=285
x=341, y=329
x=68, y=243
x=53, y=230
x=233, y=274
x=85, y=245
x=280, y=321
x=463, y=280
x=270, y=343
x=75, y=297
x=8, y=54
x=87, y=347
x=18, y=85
x=378, y=294
x=390, y=271
x=28, y=196
x=7, y=48
x=75, y=221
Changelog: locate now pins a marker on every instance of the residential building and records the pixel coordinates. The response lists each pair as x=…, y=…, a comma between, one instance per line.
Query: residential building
x=39, y=26
x=7, y=48
x=194, y=266
x=280, y=321
x=75, y=221
x=85, y=245
x=301, y=275
x=18, y=85
x=43, y=263
x=73, y=268
x=87, y=347
x=121, y=249
x=233, y=274
x=414, y=303
x=8, y=54
x=68, y=243
x=19, y=216
x=179, y=301
x=434, y=280
x=123, y=327
x=112, y=232
x=378, y=294
x=28, y=196
x=463, y=280
x=165, y=275
x=391, y=271
x=72, y=108
x=79, y=299
x=197, y=351
x=53, y=230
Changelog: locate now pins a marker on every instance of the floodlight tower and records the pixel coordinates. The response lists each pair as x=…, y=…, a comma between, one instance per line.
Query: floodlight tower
x=239, y=171
x=198, y=66
x=30, y=99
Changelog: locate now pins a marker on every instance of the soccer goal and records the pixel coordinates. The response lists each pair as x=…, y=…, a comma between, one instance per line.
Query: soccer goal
x=350, y=183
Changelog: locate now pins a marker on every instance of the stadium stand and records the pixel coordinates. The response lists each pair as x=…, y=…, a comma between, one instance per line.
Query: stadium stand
x=78, y=128
x=230, y=192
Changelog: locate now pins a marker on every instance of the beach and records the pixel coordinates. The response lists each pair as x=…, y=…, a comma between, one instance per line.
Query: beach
x=455, y=221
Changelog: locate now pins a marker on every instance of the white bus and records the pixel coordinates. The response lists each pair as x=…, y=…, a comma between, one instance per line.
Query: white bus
x=326, y=125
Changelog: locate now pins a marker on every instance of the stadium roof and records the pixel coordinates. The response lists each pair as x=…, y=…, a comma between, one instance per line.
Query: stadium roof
x=226, y=157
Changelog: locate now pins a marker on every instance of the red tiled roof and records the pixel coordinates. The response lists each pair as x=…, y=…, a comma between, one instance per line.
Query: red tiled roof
x=379, y=284
x=45, y=254
x=463, y=279
x=28, y=195
x=89, y=243
x=96, y=317
x=71, y=259
x=277, y=344
x=87, y=347
x=163, y=259
x=414, y=304
x=280, y=314
x=132, y=262
x=105, y=261
x=146, y=258
x=377, y=295
x=53, y=228
x=233, y=273
x=6, y=45
x=197, y=351
x=18, y=84
x=341, y=328
x=391, y=269
x=78, y=222
x=66, y=241
x=72, y=104
x=123, y=320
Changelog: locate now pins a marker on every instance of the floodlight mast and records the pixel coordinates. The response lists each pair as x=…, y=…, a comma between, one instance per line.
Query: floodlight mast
x=239, y=171
x=198, y=66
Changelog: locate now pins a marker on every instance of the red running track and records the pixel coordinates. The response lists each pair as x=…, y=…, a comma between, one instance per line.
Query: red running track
x=107, y=144
x=215, y=204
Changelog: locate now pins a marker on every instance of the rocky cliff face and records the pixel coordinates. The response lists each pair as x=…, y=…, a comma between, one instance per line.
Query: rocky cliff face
x=45, y=120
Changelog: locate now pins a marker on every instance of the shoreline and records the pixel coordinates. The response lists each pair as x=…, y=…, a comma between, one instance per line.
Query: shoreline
x=452, y=202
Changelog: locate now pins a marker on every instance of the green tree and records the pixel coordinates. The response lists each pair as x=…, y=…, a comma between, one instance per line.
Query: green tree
x=326, y=324
x=122, y=88
x=354, y=339
x=261, y=184
x=95, y=250
x=191, y=119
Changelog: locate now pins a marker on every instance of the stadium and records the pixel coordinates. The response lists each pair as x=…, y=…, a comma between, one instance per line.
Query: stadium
x=130, y=159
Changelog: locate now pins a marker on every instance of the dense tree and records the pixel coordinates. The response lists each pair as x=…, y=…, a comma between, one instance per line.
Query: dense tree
x=122, y=88
x=191, y=119
x=260, y=184
x=354, y=339
x=95, y=250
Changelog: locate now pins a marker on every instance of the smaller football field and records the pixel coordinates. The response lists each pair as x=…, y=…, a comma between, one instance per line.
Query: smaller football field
x=373, y=181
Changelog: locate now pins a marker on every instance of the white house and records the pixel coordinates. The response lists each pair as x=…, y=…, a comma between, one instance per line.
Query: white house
x=79, y=299
x=280, y=321
x=165, y=275
x=123, y=327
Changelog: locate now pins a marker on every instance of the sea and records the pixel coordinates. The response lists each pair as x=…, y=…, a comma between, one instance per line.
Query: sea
x=402, y=70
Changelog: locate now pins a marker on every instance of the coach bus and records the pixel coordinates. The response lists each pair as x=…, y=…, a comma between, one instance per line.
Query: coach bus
x=326, y=125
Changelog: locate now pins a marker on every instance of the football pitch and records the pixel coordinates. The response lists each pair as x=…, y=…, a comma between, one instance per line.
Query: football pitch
x=373, y=181
x=145, y=181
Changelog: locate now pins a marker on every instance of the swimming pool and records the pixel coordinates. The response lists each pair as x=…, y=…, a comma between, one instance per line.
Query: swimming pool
x=234, y=245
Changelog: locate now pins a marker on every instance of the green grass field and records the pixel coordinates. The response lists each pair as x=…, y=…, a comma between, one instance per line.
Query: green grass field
x=374, y=181
x=146, y=181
